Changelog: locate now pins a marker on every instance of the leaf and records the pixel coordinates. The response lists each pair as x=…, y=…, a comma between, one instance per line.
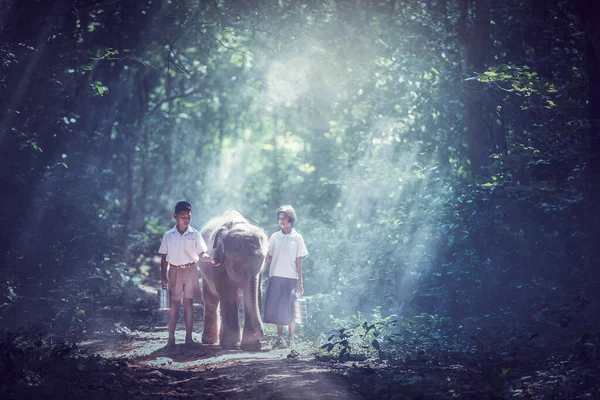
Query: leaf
x=375, y=344
x=100, y=88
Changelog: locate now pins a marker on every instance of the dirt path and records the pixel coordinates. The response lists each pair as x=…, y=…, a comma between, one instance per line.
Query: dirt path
x=124, y=357
x=136, y=342
x=142, y=367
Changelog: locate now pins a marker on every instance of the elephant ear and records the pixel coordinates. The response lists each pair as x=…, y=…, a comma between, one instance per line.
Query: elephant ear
x=218, y=237
x=218, y=245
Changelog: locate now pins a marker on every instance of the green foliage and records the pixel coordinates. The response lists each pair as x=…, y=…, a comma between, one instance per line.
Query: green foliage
x=519, y=79
x=24, y=355
x=100, y=88
x=365, y=338
x=355, y=116
x=391, y=337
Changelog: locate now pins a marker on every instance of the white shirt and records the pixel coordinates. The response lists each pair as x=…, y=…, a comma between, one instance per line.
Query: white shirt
x=284, y=249
x=182, y=249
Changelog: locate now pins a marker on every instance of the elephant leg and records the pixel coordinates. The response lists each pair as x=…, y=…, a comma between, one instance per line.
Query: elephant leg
x=211, y=313
x=230, y=324
x=253, y=331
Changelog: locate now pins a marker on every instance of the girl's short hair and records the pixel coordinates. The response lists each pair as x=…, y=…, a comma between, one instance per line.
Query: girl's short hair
x=289, y=212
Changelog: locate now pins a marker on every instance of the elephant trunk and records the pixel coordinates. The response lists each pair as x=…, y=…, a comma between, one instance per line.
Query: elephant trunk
x=253, y=331
x=233, y=271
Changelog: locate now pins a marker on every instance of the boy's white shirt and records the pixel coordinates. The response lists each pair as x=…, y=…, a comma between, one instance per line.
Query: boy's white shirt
x=182, y=249
x=284, y=249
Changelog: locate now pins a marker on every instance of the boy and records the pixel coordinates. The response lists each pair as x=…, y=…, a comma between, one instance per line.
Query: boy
x=286, y=249
x=181, y=248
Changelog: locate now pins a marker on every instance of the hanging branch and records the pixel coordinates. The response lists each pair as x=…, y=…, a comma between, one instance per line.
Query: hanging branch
x=171, y=98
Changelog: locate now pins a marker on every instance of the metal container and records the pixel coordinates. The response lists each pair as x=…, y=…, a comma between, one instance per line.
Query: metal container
x=300, y=313
x=164, y=298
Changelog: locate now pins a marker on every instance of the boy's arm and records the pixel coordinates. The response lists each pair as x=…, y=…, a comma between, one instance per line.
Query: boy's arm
x=206, y=258
x=202, y=251
x=299, y=287
x=163, y=270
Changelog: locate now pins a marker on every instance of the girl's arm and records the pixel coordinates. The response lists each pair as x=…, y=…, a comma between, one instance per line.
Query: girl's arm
x=299, y=287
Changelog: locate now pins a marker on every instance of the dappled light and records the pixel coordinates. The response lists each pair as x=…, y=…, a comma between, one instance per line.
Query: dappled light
x=437, y=160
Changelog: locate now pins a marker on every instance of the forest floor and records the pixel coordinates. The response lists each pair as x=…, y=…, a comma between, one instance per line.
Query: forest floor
x=124, y=357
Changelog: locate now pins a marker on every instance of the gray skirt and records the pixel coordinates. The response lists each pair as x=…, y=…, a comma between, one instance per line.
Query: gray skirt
x=279, y=300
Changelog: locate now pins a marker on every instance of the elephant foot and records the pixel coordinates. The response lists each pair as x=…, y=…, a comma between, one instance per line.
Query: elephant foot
x=230, y=345
x=209, y=339
x=251, y=346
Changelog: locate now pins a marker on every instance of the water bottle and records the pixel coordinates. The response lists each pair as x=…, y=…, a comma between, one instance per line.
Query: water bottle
x=300, y=313
x=164, y=298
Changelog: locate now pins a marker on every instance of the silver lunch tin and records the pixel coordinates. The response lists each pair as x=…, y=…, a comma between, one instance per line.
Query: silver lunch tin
x=300, y=313
x=164, y=298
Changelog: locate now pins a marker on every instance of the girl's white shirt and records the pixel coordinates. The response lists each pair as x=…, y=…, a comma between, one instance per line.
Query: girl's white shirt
x=284, y=249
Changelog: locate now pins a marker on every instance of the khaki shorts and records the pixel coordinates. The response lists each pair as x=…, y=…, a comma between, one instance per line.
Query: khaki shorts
x=184, y=281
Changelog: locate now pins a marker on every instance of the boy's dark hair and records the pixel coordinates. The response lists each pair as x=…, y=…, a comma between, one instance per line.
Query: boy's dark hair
x=182, y=206
x=289, y=212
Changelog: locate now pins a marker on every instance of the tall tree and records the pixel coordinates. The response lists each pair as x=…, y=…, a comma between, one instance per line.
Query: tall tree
x=588, y=12
x=476, y=37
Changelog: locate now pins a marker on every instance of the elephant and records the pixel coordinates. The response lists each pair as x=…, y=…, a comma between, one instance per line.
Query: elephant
x=239, y=248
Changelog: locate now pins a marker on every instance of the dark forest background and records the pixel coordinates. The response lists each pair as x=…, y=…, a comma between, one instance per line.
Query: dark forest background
x=443, y=158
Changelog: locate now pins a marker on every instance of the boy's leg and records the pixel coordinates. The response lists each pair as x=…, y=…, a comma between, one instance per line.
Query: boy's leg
x=188, y=318
x=173, y=317
x=279, y=331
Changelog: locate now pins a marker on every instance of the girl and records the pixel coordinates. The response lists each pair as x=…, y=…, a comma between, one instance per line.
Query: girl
x=286, y=249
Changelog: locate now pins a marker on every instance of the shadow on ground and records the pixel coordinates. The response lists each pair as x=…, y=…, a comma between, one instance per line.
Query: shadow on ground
x=136, y=342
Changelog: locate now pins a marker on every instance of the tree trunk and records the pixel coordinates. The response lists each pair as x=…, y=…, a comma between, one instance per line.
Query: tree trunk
x=128, y=215
x=589, y=14
x=476, y=42
x=145, y=172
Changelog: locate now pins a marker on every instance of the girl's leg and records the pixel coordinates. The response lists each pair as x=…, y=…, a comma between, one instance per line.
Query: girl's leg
x=279, y=343
x=188, y=318
x=173, y=317
x=291, y=328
